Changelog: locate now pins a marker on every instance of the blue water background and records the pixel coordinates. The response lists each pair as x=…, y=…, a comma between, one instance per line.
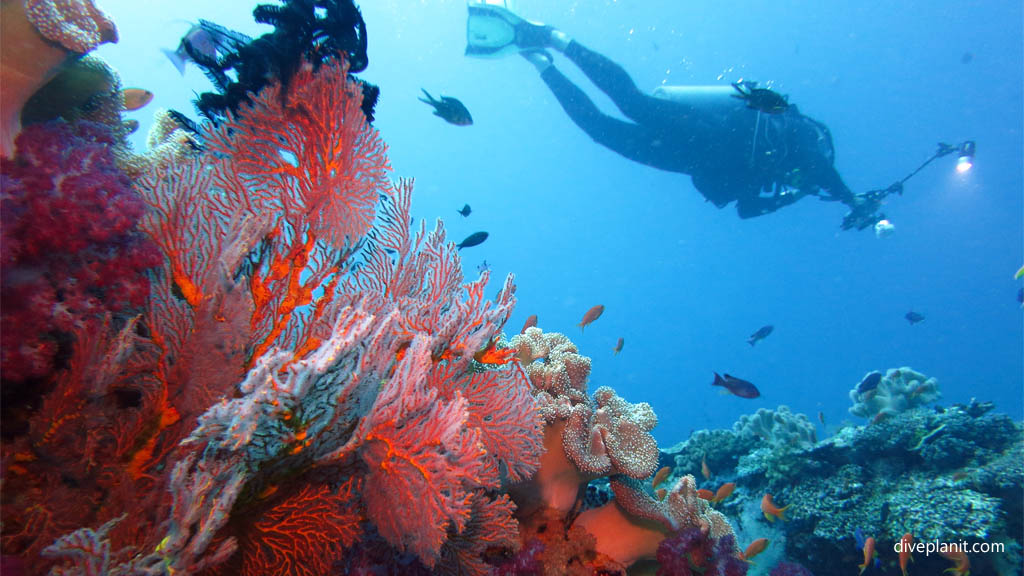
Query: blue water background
x=685, y=283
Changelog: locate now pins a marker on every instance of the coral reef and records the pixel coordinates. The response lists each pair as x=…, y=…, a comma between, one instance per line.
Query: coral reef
x=778, y=428
x=899, y=390
x=942, y=475
x=349, y=378
x=297, y=388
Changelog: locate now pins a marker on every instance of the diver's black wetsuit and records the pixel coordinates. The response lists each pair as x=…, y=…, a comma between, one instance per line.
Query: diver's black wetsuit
x=791, y=157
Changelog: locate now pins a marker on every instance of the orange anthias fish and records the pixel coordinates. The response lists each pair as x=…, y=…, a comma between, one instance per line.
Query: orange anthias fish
x=723, y=492
x=869, y=554
x=906, y=543
x=755, y=548
x=961, y=565
x=492, y=355
x=618, y=346
x=135, y=98
x=705, y=494
x=704, y=470
x=531, y=321
x=771, y=511
x=660, y=476
x=591, y=315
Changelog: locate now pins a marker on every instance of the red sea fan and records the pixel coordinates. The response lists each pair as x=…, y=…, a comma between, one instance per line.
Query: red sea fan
x=313, y=156
x=303, y=535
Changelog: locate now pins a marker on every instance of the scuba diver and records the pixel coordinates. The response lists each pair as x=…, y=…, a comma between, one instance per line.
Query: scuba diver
x=738, y=143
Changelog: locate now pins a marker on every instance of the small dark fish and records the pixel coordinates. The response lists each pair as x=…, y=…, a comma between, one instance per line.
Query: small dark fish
x=967, y=58
x=1020, y=297
x=761, y=334
x=450, y=109
x=130, y=125
x=531, y=321
x=591, y=315
x=483, y=267
x=205, y=41
x=466, y=211
x=736, y=386
x=474, y=239
x=913, y=317
x=761, y=99
x=883, y=514
x=821, y=417
x=618, y=346
x=869, y=382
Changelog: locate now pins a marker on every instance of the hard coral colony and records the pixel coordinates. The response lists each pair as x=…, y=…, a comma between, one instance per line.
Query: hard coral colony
x=270, y=374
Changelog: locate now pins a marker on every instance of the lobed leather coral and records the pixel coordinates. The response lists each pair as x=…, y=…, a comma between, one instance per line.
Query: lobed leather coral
x=589, y=437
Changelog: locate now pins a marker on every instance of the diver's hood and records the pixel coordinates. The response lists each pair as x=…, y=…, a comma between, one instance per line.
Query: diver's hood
x=491, y=29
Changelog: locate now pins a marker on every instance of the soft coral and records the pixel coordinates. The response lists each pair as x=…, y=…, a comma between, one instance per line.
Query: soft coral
x=70, y=245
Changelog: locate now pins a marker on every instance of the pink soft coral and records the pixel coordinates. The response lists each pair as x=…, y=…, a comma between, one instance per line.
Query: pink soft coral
x=69, y=242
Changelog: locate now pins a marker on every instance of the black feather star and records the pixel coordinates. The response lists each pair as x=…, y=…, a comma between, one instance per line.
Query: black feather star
x=313, y=31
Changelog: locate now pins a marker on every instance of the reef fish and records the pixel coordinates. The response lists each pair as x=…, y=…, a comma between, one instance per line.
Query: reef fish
x=723, y=492
x=591, y=315
x=465, y=211
x=450, y=109
x=618, y=346
x=736, y=386
x=205, y=41
x=906, y=545
x=869, y=554
x=761, y=334
x=474, y=239
x=913, y=317
x=135, y=98
x=660, y=476
x=493, y=355
x=869, y=382
x=755, y=548
x=531, y=321
x=705, y=494
x=770, y=510
x=704, y=470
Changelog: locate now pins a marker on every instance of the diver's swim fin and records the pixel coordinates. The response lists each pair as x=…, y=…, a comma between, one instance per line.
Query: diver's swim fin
x=493, y=31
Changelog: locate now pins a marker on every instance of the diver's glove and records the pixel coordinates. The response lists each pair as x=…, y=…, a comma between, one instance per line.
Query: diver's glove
x=863, y=212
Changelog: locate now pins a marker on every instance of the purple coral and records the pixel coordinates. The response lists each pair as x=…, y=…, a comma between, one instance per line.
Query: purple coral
x=692, y=552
